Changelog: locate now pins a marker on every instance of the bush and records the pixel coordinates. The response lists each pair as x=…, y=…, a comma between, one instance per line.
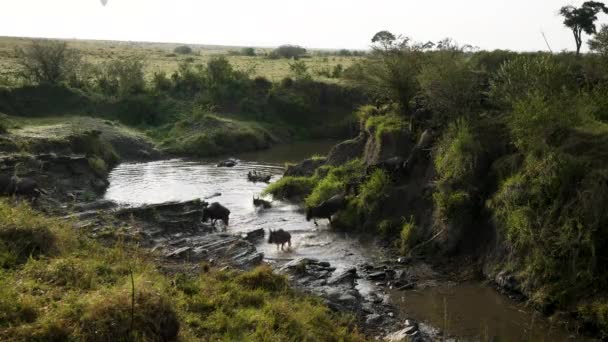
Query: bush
x=291, y=187
x=289, y=51
x=248, y=51
x=106, y=315
x=23, y=235
x=334, y=181
x=408, y=237
x=47, y=61
x=183, y=50
x=373, y=193
x=121, y=77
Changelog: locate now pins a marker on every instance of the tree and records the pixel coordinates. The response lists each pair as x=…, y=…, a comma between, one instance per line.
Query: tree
x=183, y=50
x=289, y=51
x=299, y=70
x=599, y=42
x=582, y=19
x=47, y=61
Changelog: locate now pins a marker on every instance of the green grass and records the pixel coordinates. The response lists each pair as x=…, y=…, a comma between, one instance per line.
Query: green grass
x=209, y=135
x=68, y=287
x=159, y=57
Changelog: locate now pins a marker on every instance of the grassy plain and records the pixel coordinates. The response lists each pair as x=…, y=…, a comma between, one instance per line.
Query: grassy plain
x=160, y=57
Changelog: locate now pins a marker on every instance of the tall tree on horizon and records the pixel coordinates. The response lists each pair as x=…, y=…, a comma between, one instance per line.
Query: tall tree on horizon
x=582, y=19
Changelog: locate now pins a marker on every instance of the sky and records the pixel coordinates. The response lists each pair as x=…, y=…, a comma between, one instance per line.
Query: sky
x=487, y=24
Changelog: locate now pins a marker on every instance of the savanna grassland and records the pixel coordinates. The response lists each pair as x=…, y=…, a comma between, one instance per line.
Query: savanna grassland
x=160, y=57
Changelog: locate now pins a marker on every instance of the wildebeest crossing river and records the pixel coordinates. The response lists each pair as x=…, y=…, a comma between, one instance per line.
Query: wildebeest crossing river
x=134, y=184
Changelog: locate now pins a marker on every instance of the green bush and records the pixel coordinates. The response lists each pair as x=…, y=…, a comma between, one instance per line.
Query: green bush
x=373, y=193
x=121, y=77
x=333, y=181
x=183, y=50
x=47, y=61
x=291, y=187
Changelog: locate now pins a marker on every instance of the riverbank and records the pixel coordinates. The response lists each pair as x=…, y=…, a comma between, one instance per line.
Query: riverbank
x=87, y=275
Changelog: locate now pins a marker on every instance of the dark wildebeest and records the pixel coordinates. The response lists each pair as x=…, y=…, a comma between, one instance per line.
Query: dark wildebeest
x=393, y=166
x=326, y=209
x=214, y=212
x=19, y=186
x=257, y=202
x=227, y=163
x=280, y=237
x=258, y=177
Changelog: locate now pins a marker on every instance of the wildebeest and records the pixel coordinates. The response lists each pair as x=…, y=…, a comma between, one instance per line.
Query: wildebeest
x=257, y=202
x=214, y=212
x=279, y=237
x=227, y=163
x=258, y=177
x=392, y=166
x=326, y=209
x=19, y=186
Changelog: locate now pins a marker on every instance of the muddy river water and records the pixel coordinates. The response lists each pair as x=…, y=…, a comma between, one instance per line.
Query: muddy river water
x=470, y=311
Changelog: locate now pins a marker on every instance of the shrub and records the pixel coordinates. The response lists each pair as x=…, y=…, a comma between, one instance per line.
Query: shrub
x=373, y=193
x=299, y=70
x=23, y=235
x=291, y=187
x=248, y=51
x=386, y=124
x=333, y=181
x=47, y=61
x=457, y=153
x=408, y=236
x=107, y=315
x=289, y=51
x=183, y=50
x=121, y=77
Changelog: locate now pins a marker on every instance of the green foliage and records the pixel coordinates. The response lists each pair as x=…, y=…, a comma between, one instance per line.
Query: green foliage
x=372, y=193
x=335, y=182
x=248, y=51
x=408, y=236
x=299, y=70
x=386, y=124
x=457, y=153
x=582, y=19
x=205, y=134
x=595, y=314
x=122, y=77
x=450, y=86
x=24, y=235
x=551, y=215
x=47, y=61
x=291, y=187
x=599, y=42
x=82, y=291
x=288, y=51
x=524, y=75
x=537, y=121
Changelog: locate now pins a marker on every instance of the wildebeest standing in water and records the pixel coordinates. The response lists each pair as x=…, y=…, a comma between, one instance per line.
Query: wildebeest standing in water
x=257, y=202
x=214, y=212
x=326, y=209
x=280, y=237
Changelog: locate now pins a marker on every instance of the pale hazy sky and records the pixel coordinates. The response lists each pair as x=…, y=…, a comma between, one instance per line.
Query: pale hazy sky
x=489, y=24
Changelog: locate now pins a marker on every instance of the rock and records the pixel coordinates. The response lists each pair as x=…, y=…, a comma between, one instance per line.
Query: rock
x=348, y=300
x=178, y=252
x=373, y=319
x=346, y=151
x=227, y=163
x=376, y=276
x=404, y=260
x=397, y=336
x=324, y=264
x=305, y=168
x=387, y=145
x=390, y=274
x=407, y=286
x=346, y=277
x=254, y=235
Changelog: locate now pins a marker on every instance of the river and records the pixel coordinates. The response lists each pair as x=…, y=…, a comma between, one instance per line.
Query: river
x=471, y=311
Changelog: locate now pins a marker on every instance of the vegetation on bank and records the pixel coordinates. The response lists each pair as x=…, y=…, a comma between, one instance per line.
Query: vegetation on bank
x=55, y=80
x=57, y=284
x=521, y=146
